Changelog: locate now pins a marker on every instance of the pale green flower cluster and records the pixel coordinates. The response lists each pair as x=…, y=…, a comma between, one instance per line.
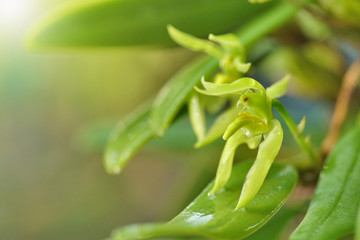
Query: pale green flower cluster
x=248, y=120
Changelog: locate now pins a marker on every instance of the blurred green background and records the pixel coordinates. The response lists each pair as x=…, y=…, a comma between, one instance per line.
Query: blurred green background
x=56, y=111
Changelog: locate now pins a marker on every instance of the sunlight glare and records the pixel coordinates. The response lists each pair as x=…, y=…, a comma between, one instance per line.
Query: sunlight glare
x=14, y=13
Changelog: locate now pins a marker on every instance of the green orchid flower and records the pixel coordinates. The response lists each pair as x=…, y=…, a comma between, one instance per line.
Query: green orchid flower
x=252, y=123
x=227, y=49
x=248, y=120
x=230, y=53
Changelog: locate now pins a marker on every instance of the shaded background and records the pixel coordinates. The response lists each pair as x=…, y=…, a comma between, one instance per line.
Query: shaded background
x=56, y=111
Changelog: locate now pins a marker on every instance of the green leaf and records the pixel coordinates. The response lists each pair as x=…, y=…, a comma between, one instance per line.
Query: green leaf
x=357, y=230
x=108, y=23
x=332, y=212
x=215, y=217
x=175, y=93
x=125, y=140
x=278, y=225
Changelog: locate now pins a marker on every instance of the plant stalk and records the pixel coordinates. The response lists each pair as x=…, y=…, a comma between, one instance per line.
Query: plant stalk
x=298, y=136
x=342, y=104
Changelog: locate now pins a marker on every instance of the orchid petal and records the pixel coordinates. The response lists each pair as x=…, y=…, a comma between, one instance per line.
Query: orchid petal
x=268, y=150
x=197, y=116
x=279, y=88
x=219, y=127
x=193, y=43
x=236, y=87
x=225, y=164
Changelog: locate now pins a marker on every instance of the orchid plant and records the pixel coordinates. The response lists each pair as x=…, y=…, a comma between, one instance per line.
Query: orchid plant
x=249, y=119
x=217, y=85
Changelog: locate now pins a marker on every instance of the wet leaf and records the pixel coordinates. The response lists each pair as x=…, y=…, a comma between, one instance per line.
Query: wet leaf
x=111, y=23
x=215, y=217
x=332, y=212
x=278, y=225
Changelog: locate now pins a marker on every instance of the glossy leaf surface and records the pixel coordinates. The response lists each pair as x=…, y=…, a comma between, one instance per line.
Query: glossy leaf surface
x=332, y=212
x=278, y=225
x=130, y=134
x=214, y=216
x=102, y=23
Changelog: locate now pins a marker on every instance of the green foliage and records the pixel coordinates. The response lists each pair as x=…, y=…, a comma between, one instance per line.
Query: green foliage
x=215, y=216
x=130, y=135
x=276, y=228
x=333, y=210
x=254, y=118
x=113, y=23
x=347, y=10
x=357, y=230
x=174, y=94
x=312, y=156
x=216, y=86
x=315, y=68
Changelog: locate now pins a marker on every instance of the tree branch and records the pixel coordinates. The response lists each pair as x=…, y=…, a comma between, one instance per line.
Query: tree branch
x=342, y=106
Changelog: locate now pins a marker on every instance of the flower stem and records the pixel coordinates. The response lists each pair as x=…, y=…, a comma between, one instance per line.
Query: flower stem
x=305, y=145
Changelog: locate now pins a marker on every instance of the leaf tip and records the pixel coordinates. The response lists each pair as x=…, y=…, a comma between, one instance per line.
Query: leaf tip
x=113, y=169
x=111, y=162
x=116, y=170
